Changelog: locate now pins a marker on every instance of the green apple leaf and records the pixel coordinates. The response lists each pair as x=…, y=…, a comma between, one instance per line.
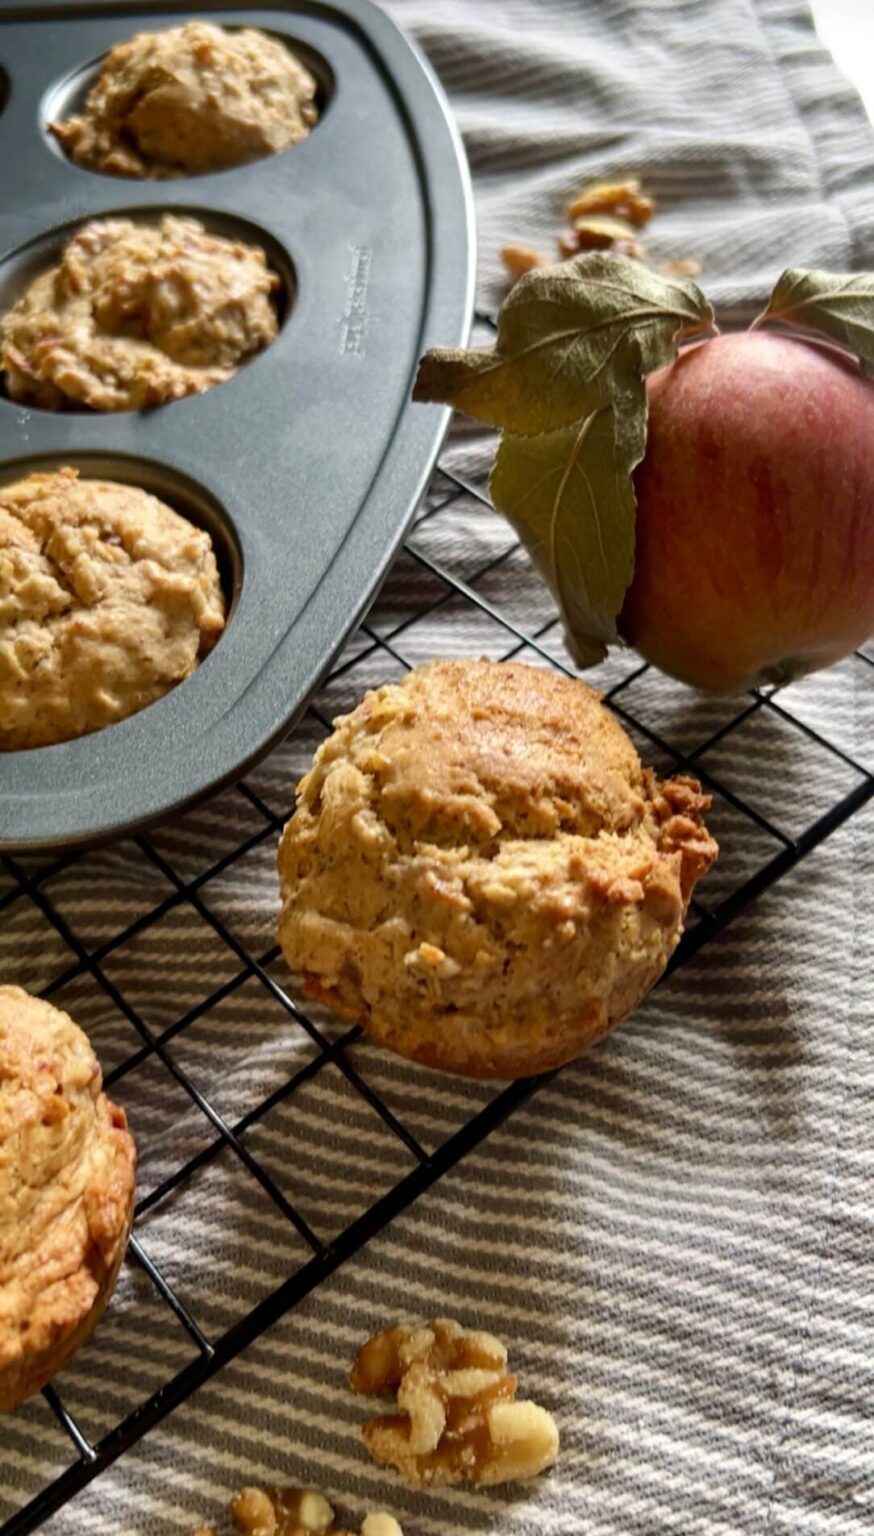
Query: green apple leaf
x=560, y=333
x=840, y=305
x=569, y=495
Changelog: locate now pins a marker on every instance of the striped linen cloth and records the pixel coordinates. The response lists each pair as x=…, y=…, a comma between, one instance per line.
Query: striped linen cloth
x=675, y=1235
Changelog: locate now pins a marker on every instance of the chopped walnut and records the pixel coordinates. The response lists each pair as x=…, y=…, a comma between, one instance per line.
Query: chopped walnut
x=623, y=199
x=598, y=232
x=519, y=259
x=682, y=266
x=282, y=1512
x=606, y=216
x=296, y=1512
x=600, y=235
x=458, y=1420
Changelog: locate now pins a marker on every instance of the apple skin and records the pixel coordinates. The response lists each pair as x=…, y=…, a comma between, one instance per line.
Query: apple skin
x=754, y=558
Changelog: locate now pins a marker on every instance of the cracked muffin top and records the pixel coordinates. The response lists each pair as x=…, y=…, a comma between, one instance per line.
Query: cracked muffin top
x=480, y=871
x=191, y=99
x=67, y=1166
x=135, y=315
x=108, y=598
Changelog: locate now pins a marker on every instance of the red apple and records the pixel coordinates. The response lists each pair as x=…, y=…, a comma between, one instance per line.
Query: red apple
x=755, y=530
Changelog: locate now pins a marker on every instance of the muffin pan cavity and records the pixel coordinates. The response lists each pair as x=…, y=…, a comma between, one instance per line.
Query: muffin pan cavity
x=66, y=96
x=176, y=489
x=20, y=267
x=305, y=466
x=149, y=672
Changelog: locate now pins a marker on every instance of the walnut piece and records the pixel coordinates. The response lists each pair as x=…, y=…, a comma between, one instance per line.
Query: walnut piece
x=600, y=234
x=282, y=1512
x=295, y=1512
x=623, y=199
x=681, y=266
x=458, y=1419
x=604, y=216
x=519, y=259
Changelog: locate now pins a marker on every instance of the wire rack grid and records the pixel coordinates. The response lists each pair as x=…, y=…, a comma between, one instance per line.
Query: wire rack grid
x=461, y=585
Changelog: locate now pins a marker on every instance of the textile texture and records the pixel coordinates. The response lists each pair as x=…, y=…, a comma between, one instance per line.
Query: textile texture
x=674, y=1235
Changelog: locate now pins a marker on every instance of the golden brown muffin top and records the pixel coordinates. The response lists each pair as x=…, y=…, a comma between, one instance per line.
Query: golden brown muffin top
x=135, y=315
x=480, y=871
x=107, y=599
x=452, y=734
x=191, y=99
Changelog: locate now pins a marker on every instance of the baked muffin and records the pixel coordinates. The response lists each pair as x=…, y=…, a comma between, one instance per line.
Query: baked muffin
x=480, y=872
x=108, y=599
x=135, y=315
x=67, y=1164
x=191, y=99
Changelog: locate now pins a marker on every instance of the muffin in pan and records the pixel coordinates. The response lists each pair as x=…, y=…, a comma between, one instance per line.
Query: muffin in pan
x=480, y=871
x=191, y=99
x=108, y=599
x=135, y=315
x=67, y=1175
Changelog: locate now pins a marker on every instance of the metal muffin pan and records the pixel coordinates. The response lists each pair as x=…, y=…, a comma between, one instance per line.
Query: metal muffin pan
x=307, y=466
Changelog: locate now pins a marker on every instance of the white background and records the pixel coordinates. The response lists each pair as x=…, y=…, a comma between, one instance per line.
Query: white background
x=847, y=29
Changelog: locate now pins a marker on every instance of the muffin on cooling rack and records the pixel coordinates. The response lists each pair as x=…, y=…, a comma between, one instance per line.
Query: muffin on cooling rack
x=135, y=315
x=480, y=871
x=108, y=599
x=67, y=1165
x=191, y=99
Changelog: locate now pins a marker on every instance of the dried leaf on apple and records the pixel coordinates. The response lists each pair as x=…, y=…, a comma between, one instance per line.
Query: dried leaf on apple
x=839, y=304
x=570, y=497
x=558, y=355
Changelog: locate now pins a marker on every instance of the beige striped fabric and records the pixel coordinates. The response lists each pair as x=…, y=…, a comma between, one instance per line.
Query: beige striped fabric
x=675, y=1235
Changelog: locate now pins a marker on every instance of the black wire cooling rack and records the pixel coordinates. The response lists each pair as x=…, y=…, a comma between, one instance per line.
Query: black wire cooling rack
x=461, y=585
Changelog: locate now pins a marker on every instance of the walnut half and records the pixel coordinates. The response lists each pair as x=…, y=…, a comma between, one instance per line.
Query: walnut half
x=458, y=1419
